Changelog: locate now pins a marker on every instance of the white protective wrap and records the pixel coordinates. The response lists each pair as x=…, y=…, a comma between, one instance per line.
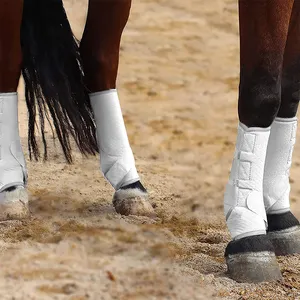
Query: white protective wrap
x=12, y=163
x=243, y=201
x=278, y=163
x=116, y=157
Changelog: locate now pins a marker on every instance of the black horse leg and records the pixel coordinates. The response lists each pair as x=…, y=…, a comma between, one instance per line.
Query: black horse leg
x=10, y=45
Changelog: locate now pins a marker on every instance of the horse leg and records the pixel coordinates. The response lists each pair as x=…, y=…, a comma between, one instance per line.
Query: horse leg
x=284, y=229
x=13, y=175
x=100, y=48
x=250, y=255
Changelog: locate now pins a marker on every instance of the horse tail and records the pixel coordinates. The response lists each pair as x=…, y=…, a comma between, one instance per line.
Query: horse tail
x=53, y=79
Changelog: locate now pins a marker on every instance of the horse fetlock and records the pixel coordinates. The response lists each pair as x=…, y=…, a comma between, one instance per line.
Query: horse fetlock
x=119, y=170
x=277, y=197
x=243, y=222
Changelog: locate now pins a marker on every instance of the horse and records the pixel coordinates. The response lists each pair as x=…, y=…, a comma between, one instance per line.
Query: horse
x=71, y=84
x=256, y=198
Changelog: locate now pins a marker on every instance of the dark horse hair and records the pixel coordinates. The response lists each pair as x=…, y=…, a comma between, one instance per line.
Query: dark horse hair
x=53, y=77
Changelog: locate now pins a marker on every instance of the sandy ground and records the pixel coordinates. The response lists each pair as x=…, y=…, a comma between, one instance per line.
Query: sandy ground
x=178, y=88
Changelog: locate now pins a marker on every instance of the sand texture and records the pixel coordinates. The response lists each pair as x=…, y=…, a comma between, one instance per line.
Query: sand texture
x=178, y=84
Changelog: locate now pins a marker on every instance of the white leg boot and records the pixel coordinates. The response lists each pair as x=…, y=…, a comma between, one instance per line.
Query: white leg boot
x=13, y=173
x=243, y=201
x=284, y=229
x=278, y=163
x=116, y=157
x=250, y=255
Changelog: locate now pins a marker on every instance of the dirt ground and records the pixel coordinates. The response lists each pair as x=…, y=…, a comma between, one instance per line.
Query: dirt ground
x=178, y=88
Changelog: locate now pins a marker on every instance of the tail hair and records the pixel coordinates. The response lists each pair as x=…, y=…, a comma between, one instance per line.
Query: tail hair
x=53, y=76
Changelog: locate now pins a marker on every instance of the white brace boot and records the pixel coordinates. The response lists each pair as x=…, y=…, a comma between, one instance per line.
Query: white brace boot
x=243, y=202
x=116, y=157
x=278, y=163
x=283, y=226
x=13, y=173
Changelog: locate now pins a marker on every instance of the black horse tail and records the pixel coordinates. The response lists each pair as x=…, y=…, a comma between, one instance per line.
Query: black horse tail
x=53, y=77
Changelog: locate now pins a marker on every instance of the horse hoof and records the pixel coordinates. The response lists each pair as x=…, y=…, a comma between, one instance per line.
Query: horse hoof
x=253, y=267
x=286, y=241
x=133, y=202
x=252, y=260
x=14, y=204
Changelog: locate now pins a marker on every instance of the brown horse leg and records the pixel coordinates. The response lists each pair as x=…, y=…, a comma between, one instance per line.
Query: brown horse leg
x=263, y=34
x=284, y=229
x=13, y=195
x=100, y=47
x=10, y=46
